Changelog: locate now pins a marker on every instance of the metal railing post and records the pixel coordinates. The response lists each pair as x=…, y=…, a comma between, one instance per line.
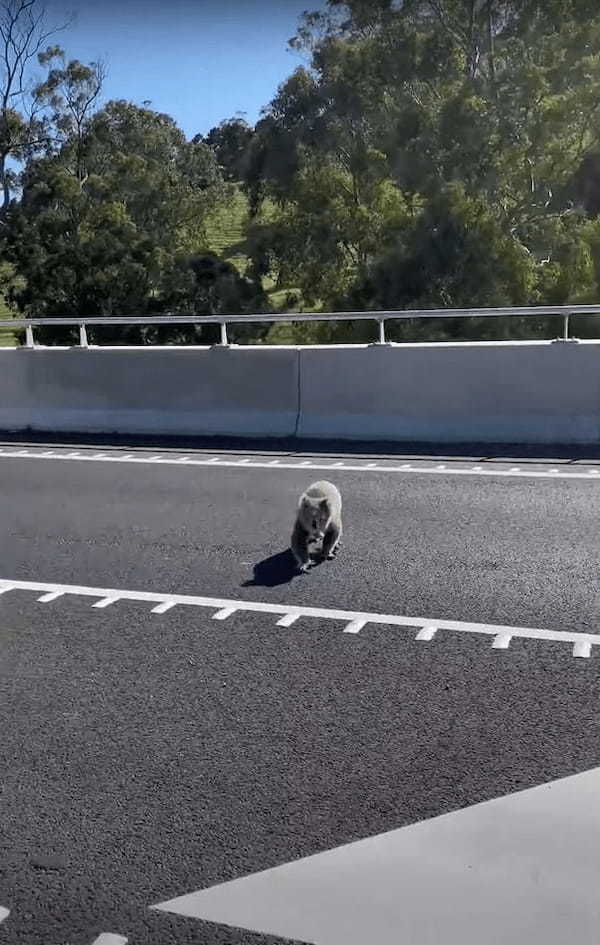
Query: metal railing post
x=381, y=331
x=83, y=339
x=224, y=338
x=29, y=340
x=566, y=327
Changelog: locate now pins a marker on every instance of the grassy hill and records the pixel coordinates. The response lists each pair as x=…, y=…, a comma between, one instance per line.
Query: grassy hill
x=7, y=337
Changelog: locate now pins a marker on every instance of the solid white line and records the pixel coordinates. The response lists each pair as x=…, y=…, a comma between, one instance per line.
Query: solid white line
x=4, y=913
x=107, y=938
x=345, y=467
x=354, y=620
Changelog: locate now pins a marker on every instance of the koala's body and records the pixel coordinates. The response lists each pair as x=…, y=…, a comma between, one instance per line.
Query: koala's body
x=318, y=519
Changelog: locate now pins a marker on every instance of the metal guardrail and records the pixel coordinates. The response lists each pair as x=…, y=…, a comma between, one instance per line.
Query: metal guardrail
x=535, y=311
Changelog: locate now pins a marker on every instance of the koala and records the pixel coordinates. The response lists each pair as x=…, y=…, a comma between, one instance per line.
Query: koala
x=318, y=519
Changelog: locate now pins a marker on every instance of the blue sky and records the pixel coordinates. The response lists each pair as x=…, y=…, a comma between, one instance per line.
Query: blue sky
x=199, y=60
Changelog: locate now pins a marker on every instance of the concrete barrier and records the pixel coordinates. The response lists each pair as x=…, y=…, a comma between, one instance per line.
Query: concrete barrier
x=512, y=393
x=494, y=393
x=196, y=391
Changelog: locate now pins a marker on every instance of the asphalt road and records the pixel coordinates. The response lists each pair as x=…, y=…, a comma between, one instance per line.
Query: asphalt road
x=144, y=756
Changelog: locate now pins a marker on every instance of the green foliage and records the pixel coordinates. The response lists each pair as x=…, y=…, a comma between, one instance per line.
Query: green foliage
x=427, y=154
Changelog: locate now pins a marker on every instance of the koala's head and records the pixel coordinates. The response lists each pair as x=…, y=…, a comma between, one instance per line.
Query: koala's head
x=314, y=515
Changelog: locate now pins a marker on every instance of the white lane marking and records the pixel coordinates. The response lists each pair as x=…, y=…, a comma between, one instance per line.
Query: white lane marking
x=280, y=464
x=355, y=626
x=582, y=649
x=164, y=607
x=287, y=620
x=48, y=598
x=4, y=913
x=502, y=641
x=354, y=620
x=107, y=938
x=224, y=614
x=105, y=602
x=426, y=634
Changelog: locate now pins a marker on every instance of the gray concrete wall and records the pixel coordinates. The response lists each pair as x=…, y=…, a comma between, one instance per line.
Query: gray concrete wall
x=252, y=391
x=528, y=393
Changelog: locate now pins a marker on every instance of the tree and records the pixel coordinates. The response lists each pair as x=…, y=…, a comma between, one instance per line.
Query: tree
x=100, y=219
x=24, y=128
x=229, y=141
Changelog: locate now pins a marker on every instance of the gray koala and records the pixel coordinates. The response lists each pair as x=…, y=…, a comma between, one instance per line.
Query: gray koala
x=318, y=518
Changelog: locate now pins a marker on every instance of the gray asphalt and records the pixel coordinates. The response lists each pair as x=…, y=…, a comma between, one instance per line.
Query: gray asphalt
x=145, y=756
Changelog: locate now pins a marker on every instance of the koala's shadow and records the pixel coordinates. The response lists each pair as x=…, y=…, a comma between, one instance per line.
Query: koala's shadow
x=278, y=569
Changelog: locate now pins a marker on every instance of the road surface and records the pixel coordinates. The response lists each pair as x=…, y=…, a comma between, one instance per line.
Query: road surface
x=148, y=750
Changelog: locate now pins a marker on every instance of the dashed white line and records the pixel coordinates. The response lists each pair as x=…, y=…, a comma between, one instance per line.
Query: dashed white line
x=164, y=607
x=287, y=620
x=224, y=613
x=354, y=621
x=106, y=602
x=355, y=626
x=4, y=913
x=48, y=598
x=440, y=469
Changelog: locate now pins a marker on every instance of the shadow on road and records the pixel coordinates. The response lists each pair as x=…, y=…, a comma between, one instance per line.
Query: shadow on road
x=278, y=569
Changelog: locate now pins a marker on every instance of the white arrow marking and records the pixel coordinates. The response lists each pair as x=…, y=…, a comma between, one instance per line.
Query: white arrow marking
x=523, y=868
x=107, y=938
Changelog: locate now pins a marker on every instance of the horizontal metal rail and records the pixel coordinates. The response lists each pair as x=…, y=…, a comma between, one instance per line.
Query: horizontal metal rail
x=534, y=311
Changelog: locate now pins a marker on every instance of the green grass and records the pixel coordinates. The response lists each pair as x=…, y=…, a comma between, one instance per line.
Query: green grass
x=226, y=233
x=226, y=230
x=7, y=337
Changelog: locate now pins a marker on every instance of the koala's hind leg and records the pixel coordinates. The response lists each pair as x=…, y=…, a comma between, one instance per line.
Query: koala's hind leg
x=300, y=547
x=332, y=541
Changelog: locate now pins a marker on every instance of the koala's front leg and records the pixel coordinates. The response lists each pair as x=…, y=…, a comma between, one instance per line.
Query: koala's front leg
x=332, y=541
x=300, y=547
